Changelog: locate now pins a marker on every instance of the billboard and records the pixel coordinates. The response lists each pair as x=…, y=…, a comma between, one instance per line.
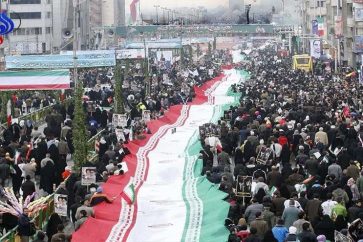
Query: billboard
x=315, y=48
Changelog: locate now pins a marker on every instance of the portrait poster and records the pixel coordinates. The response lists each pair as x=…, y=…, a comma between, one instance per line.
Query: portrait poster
x=60, y=204
x=88, y=176
x=244, y=186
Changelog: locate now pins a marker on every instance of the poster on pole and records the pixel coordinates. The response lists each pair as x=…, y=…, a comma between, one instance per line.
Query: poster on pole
x=263, y=155
x=120, y=134
x=244, y=186
x=315, y=48
x=88, y=176
x=60, y=204
x=146, y=115
x=119, y=120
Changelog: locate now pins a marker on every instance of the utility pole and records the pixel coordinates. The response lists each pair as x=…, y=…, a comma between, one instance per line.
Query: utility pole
x=8, y=36
x=337, y=54
x=75, y=40
x=157, y=14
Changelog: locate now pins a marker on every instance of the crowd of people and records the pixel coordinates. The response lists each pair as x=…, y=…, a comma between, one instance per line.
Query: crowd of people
x=289, y=156
x=37, y=161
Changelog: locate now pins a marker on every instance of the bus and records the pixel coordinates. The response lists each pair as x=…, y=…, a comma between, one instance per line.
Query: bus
x=302, y=62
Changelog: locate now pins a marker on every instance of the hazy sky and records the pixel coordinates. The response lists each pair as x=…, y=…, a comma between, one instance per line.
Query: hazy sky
x=148, y=5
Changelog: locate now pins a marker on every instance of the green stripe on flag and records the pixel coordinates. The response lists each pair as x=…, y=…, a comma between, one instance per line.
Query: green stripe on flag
x=203, y=221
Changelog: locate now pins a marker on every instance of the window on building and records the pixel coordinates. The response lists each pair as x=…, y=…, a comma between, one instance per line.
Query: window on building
x=26, y=15
x=49, y=14
x=48, y=30
x=358, y=31
x=25, y=1
x=28, y=31
x=320, y=3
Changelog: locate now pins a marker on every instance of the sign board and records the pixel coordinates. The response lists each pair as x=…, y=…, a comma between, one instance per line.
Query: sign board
x=263, y=155
x=244, y=186
x=119, y=120
x=60, y=204
x=130, y=54
x=88, y=176
x=146, y=115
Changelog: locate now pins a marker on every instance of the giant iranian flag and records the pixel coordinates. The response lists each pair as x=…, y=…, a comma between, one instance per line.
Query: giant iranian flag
x=34, y=80
x=172, y=201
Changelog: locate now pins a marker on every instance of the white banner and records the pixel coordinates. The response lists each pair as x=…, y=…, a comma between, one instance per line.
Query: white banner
x=130, y=54
x=315, y=48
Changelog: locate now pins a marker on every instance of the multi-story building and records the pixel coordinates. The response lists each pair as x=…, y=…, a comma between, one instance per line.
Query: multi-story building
x=342, y=21
x=47, y=25
x=35, y=32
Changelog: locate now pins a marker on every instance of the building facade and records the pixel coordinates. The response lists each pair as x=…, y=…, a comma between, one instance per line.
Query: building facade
x=35, y=32
x=342, y=22
x=47, y=25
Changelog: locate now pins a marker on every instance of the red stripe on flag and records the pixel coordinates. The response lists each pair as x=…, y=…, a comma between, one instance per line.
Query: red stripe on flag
x=35, y=87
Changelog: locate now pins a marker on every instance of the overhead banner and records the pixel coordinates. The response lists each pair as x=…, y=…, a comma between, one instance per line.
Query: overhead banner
x=315, y=48
x=338, y=26
x=84, y=60
x=130, y=54
x=34, y=80
x=314, y=27
x=358, y=44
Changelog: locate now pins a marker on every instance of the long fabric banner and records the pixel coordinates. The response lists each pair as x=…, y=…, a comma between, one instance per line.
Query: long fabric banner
x=173, y=203
x=34, y=80
x=65, y=60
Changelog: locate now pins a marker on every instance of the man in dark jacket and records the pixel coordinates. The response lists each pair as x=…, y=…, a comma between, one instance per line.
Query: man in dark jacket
x=274, y=177
x=28, y=187
x=306, y=235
